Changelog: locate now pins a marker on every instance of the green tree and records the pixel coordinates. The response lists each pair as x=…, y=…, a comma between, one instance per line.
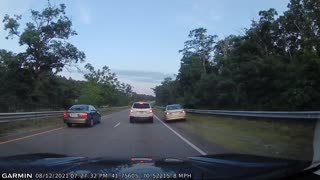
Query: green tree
x=46, y=40
x=47, y=53
x=107, y=89
x=92, y=93
x=274, y=65
x=200, y=44
x=166, y=93
x=16, y=83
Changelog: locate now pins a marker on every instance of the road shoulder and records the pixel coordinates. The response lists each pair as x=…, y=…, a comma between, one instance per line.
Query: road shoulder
x=197, y=140
x=21, y=129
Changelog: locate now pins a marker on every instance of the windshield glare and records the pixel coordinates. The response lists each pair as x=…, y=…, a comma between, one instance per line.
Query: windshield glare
x=161, y=79
x=141, y=106
x=79, y=108
x=174, y=107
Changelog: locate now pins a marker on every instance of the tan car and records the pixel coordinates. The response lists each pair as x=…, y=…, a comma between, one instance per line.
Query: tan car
x=174, y=112
x=82, y=114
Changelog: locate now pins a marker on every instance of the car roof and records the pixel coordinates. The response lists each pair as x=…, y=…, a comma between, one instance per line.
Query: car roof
x=82, y=105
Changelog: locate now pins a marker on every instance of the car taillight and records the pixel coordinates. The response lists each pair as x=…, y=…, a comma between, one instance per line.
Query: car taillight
x=131, y=110
x=183, y=111
x=84, y=115
x=141, y=160
x=150, y=111
x=65, y=115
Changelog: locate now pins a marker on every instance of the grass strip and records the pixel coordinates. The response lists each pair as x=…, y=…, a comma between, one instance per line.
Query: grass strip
x=291, y=139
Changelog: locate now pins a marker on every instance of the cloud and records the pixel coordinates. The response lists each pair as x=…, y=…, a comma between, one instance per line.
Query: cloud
x=200, y=14
x=12, y=7
x=191, y=21
x=141, y=76
x=132, y=75
x=216, y=18
x=142, y=81
x=85, y=15
x=141, y=87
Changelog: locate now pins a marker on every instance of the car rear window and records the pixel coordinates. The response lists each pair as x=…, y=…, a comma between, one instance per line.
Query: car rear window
x=79, y=108
x=174, y=107
x=141, y=105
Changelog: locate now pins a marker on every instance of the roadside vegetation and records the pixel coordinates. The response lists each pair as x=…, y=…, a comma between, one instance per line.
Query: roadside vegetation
x=30, y=79
x=272, y=65
x=31, y=125
x=107, y=111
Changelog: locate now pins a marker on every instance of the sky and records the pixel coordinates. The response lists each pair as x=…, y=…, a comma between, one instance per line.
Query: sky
x=139, y=40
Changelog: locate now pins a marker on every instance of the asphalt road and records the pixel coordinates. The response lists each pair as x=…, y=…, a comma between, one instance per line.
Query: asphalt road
x=115, y=137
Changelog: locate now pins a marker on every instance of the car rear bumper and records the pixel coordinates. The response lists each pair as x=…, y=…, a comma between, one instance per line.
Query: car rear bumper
x=168, y=118
x=139, y=118
x=75, y=121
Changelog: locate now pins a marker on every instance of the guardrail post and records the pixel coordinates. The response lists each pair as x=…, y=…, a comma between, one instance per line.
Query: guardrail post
x=316, y=142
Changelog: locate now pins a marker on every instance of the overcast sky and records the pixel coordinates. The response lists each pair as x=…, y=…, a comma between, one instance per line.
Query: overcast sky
x=139, y=40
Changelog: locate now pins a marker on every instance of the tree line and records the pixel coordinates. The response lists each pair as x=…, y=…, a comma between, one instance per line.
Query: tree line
x=273, y=65
x=29, y=79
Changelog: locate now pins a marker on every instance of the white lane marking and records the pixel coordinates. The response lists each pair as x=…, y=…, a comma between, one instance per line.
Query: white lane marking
x=181, y=137
x=32, y=135
x=116, y=125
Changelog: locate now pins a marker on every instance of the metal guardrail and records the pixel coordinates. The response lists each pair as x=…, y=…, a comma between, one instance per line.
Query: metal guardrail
x=9, y=117
x=265, y=114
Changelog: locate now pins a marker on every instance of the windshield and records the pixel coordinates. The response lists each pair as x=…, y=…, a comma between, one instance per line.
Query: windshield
x=79, y=108
x=174, y=107
x=141, y=106
x=160, y=79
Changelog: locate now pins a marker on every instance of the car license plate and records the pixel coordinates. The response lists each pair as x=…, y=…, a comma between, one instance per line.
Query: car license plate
x=73, y=115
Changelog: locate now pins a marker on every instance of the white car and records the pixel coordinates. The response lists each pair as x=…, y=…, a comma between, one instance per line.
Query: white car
x=141, y=111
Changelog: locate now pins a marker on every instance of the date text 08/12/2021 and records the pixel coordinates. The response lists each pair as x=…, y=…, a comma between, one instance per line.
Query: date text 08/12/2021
x=92, y=175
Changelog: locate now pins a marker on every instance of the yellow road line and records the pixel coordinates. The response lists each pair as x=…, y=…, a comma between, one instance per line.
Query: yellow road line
x=29, y=136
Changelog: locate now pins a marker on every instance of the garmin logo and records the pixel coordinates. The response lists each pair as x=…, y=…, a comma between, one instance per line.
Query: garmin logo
x=16, y=175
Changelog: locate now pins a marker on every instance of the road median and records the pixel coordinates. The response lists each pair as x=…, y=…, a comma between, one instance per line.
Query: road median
x=20, y=128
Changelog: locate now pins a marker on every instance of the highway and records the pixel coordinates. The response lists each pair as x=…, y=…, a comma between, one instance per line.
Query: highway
x=115, y=138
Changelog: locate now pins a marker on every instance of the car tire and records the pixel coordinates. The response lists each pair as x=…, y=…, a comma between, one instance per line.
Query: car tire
x=69, y=124
x=151, y=120
x=90, y=123
x=131, y=120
